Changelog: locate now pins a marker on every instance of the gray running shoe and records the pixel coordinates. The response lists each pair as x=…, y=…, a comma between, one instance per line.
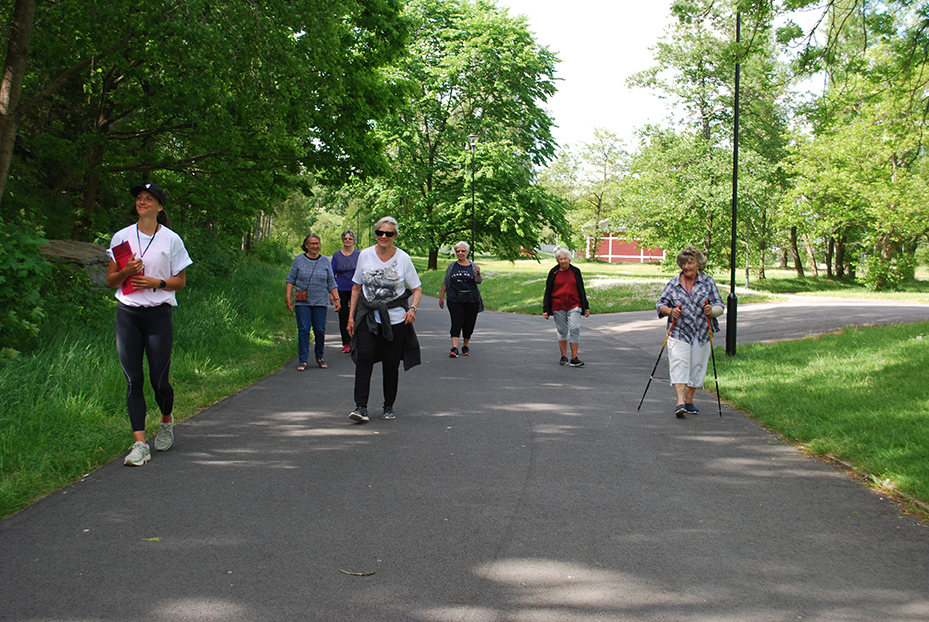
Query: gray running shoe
x=359, y=414
x=388, y=413
x=165, y=438
x=139, y=454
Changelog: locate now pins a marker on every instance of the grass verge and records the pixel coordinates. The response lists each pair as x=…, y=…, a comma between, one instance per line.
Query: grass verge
x=65, y=400
x=518, y=286
x=857, y=396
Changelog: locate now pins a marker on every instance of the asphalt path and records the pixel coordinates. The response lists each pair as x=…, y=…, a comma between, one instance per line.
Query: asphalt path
x=508, y=489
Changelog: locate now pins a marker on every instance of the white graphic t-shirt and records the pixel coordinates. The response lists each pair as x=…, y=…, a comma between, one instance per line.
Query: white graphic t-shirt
x=384, y=281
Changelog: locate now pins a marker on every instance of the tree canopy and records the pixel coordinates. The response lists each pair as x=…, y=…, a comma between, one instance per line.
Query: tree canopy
x=225, y=104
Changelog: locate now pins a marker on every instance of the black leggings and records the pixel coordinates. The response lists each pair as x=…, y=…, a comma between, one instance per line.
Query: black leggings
x=147, y=330
x=464, y=316
x=370, y=347
x=345, y=302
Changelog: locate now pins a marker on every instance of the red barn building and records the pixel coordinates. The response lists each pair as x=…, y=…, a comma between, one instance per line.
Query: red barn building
x=614, y=249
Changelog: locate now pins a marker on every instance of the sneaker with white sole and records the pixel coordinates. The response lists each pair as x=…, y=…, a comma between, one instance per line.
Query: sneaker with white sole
x=576, y=362
x=359, y=414
x=139, y=454
x=389, y=414
x=165, y=438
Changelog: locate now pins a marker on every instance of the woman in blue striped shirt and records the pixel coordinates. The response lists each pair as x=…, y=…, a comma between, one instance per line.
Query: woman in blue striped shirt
x=688, y=300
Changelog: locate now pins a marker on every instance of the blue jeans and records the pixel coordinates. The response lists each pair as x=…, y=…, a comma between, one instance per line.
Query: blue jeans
x=308, y=317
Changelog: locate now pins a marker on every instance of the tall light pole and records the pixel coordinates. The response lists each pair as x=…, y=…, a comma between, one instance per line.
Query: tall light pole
x=733, y=301
x=472, y=142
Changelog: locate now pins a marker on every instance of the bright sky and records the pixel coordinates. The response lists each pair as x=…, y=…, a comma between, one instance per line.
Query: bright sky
x=600, y=44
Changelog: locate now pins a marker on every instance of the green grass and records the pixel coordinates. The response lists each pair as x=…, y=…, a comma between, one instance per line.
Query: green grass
x=858, y=396
x=518, y=286
x=65, y=402
x=781, y=281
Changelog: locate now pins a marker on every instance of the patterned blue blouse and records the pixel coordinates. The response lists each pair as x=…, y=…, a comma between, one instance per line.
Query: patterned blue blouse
x=691, y=327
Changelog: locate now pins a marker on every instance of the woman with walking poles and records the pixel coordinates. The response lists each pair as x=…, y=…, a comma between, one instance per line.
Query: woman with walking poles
x=691, y=302
x=147, y=265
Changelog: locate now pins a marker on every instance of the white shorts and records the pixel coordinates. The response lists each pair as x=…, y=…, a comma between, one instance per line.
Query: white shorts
x=687, y=362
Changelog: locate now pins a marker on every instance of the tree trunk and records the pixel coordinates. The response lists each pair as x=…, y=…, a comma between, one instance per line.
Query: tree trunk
x=809, y=249
x=433, y=262
x=763, y=244
x=840, y=257
x=83, y=224
x=798, y=264
x=783, y=258
x=830, y=251
x=11, y=89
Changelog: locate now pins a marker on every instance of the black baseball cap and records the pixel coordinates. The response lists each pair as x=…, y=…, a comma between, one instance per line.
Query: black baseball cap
x=155, y=189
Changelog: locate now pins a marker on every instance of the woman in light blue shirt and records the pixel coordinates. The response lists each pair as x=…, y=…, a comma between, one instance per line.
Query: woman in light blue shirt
x=311, y=288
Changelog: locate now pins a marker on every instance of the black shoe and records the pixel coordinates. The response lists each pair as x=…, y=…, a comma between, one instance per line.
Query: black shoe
x=691, y=409
x=453, y=354
x=680, y=412
x=465, y=351
x=563, y=361
x=389, y=413
x=576, y=362
x=359, y=414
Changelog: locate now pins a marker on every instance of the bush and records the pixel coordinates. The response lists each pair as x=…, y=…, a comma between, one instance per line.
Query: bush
x=888, y=275
x=272, y=253
x=22, y=268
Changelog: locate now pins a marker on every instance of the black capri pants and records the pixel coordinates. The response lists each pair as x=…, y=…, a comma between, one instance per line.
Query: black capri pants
x=148, y=331
x=464, y=316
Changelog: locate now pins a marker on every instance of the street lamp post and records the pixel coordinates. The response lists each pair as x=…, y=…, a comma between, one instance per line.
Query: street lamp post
x=732, y=303
x=472, y=142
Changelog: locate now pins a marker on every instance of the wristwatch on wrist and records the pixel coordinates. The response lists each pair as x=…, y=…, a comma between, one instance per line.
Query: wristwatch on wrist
x=413, y=309
x=162, y=285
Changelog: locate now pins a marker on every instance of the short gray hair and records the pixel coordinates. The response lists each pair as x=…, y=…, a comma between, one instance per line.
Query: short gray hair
x=462, y=243
x=692, y=252
x=562, y=251
x=388, y=220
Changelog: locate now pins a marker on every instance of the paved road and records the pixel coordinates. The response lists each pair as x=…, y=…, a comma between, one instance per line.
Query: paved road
x=509, y=489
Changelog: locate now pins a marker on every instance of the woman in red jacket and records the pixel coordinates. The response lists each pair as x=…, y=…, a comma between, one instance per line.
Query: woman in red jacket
x=566, y=301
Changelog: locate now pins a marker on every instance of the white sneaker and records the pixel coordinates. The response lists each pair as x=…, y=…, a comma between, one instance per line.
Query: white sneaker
x=139, y=454
x=165, y=438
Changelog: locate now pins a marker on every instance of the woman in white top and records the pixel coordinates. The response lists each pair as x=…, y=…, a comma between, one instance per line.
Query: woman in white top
x=147, y=265
x=385, y=296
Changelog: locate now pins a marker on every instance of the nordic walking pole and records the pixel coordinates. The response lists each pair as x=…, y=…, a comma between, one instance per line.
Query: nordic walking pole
x=709, y=325
x=652, y=376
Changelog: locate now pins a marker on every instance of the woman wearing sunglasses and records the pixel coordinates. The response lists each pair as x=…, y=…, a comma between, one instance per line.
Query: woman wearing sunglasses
x=385, y=296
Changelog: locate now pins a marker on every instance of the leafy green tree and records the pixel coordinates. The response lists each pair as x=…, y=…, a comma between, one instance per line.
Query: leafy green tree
x=225, y=104
x=679, y=187
x=472, y=69
x=602, y=165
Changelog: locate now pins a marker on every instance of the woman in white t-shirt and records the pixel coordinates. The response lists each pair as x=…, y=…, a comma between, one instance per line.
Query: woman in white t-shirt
x=147, y=265
x=385, y=295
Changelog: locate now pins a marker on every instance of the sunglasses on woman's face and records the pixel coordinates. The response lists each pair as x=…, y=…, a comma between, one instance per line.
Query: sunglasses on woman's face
x=389, y=234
